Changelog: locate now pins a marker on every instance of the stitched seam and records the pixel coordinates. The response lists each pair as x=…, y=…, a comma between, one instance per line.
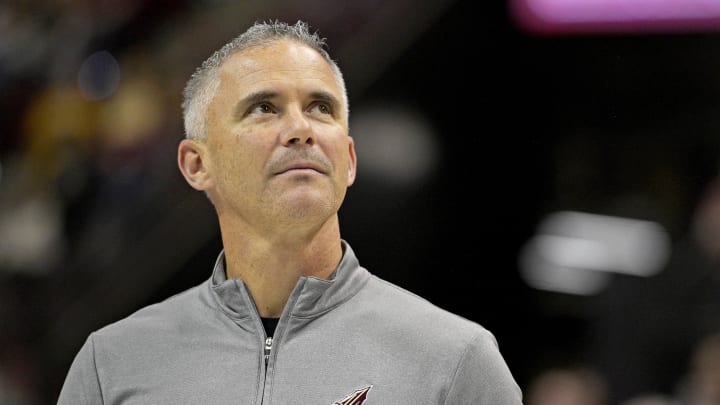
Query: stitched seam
x=97, y=376
x=453, y=380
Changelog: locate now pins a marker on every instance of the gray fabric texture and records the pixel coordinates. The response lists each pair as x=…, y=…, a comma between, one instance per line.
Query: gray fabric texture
x=336, y=336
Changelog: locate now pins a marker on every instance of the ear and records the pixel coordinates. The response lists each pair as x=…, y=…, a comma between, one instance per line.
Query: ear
x=192, y=163
x=352, y=163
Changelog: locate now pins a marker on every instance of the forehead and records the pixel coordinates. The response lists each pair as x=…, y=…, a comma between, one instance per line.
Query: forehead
x=279, y=62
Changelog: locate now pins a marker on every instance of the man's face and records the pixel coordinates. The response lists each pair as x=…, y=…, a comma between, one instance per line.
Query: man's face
x=277, y=147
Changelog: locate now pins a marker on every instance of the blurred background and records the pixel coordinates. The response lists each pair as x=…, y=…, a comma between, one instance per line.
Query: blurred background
x=546, y=168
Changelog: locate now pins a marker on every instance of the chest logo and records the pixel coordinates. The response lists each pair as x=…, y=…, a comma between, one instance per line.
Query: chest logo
x=356, y=398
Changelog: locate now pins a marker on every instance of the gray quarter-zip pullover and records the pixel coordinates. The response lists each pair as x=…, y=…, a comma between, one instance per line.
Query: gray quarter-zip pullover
x=351, y=339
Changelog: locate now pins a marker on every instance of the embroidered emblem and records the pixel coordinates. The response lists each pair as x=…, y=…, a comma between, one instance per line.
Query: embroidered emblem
x=356, y=398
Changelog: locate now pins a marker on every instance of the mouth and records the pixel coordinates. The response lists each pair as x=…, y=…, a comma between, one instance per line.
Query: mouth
x=302, y=166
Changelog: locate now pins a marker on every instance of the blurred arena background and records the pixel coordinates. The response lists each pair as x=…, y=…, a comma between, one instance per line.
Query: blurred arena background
x=549, y=175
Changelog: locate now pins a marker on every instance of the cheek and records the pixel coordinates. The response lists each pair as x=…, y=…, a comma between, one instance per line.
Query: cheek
x=235, y=163
x=244, y=154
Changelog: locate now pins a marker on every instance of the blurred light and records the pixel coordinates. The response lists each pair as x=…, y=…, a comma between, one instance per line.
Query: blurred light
x=573, y=252
x=616, y=15
x=548, y=276
x=394, y=144
x=99, y=76
x=630, y=246
x=133, y=115
x=31, y=238
x=568, y=386
x=56, y=116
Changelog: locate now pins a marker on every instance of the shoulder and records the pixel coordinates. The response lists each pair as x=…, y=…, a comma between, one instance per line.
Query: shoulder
x=163, y=316
x=425, y=334
x=405, y=309
x=464, y=350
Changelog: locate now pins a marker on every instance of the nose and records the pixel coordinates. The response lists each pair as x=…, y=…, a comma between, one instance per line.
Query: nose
x=297, y=129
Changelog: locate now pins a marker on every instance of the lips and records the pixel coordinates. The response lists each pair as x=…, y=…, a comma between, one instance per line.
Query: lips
x=302, y=165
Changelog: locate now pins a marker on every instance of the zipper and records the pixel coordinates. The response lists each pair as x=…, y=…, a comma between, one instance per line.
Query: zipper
x=266, y=355
x=268, y=347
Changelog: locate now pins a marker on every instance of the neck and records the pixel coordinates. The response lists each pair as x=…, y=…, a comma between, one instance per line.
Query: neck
x=270, y=265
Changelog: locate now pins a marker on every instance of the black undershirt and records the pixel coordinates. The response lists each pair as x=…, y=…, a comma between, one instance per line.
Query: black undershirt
x=269, y=324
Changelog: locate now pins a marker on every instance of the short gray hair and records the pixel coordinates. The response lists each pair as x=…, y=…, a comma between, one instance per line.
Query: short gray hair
x=204, y=82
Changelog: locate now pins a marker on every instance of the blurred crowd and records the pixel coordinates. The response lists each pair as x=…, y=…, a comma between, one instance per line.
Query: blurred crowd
x=89, y=122
x=582, y=384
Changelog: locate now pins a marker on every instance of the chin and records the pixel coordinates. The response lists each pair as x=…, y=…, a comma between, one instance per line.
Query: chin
x=307, y=206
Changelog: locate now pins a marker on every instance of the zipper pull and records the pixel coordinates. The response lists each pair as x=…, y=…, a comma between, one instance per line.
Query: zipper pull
x=268, y=346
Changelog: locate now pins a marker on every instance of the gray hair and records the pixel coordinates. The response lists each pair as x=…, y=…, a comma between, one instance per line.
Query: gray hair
x=203, y=84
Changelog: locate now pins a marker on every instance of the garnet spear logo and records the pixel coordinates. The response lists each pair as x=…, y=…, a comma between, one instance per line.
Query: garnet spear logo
x=356, y=398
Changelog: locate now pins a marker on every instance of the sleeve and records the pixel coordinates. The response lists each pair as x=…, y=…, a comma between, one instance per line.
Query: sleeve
x=82, y=386
x=482, y=376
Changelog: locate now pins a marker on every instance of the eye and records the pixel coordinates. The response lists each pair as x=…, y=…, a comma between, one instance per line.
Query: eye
x=322, y=108
x=261, y=108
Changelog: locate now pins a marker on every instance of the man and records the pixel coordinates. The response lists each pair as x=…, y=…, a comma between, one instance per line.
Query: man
x=288, y=315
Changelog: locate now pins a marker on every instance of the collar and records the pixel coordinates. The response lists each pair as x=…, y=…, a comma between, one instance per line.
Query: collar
x=311, y=296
